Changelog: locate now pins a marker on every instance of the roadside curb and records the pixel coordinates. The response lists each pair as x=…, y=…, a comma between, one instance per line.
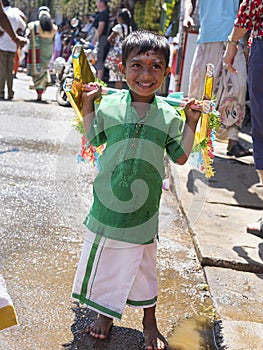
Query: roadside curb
x=217, y=212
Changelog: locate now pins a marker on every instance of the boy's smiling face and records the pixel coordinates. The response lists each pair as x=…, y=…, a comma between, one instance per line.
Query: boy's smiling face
x=144, y=73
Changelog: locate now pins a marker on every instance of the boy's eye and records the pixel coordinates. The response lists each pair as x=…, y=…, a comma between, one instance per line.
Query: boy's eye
x=157, y=66
x=136, y=65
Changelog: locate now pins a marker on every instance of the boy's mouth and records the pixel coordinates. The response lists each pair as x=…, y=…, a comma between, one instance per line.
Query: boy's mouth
x=144, y=85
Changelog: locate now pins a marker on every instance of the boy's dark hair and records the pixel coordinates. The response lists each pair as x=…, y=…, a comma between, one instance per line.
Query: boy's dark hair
x=142, y=41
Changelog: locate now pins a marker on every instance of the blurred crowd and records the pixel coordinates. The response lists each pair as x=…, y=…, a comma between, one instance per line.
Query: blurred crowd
x=100, y=32
x=91, y=30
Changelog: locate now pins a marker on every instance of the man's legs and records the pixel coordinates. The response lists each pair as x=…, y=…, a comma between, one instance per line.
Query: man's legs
x=99, y=65
x=3, y=64
x=230, y=90
x=9, y=74
x=255, y=84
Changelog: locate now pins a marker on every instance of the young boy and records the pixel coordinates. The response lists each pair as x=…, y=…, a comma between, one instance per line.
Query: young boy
x=118, y=260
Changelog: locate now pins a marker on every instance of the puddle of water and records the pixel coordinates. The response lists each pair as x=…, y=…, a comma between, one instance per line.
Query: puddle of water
x=194, y=333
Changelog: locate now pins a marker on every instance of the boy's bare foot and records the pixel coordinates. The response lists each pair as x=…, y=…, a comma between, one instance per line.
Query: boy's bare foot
x=154, y=339
x=100, y=328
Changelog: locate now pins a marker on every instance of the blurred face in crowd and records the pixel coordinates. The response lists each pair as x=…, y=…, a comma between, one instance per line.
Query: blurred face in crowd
x=100, y=5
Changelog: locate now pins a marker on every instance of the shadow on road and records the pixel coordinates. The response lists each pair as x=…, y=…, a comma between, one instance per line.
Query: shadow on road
x=120, y=338
x=234, y=177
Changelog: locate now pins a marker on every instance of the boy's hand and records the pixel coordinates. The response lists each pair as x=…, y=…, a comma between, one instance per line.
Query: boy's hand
x=193, y=109
x=92, y=91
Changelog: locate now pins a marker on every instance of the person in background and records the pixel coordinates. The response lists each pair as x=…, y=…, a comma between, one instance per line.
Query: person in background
x=7, y=27
x=216, y=21
x=88, y=29
x=8, y=50
x=172, y=64
x=250, y=18
x=101, y=23
x=118, y=259
x=41, y=38
x=119, y=32
x=18, y=54
x=25, y=50
x=67, y=41
x=57, y=47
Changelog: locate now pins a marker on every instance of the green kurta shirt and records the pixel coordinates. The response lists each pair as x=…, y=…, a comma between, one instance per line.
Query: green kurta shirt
x=128, y=187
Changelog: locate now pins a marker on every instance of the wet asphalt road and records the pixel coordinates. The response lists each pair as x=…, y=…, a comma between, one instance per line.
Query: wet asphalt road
x=45, y=196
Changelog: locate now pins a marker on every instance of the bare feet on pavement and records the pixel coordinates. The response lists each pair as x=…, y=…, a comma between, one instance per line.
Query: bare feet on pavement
x=100, y=328
x=154, y=339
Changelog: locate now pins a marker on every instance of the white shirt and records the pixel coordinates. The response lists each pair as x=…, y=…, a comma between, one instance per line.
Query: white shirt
x=6, y=43
x=118, y=29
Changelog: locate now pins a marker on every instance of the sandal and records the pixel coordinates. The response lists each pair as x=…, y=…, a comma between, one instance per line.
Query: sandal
x=238, y=151
x=256, y=228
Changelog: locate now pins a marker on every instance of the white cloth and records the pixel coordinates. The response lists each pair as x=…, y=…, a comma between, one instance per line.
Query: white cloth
x=112, y=274
x=7, y=312
x=6, y=43
x=121, y=29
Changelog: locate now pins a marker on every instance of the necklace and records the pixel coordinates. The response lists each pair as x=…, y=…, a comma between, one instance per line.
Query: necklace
x=138, y=129
x=132, y=148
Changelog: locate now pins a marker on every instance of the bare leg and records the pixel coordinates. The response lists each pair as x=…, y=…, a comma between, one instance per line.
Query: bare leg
x=100, y=74
x=153, y=338
x=261, y=175
x=39, y=94
x=100, y=328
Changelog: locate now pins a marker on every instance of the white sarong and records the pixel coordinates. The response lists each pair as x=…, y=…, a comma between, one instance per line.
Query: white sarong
x=8, y=316
x=112, y=274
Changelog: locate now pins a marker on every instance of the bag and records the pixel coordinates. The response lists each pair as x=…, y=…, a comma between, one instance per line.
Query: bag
x=114, y=56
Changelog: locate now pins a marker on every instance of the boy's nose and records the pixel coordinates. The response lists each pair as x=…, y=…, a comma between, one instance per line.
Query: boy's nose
x=146, y=71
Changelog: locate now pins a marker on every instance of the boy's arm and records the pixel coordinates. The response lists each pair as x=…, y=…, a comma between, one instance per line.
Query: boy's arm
x=91, y=93
x=193, y=113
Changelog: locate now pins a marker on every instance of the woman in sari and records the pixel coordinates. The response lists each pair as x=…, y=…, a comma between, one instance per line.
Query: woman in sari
x=42, y=34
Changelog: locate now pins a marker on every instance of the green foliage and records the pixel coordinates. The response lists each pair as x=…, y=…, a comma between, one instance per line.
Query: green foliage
x=147, y=14
x=73, y=8
x=170, y=14
x=78, y=125
x=114, y=4
x=153, y=15
x=139, y=14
